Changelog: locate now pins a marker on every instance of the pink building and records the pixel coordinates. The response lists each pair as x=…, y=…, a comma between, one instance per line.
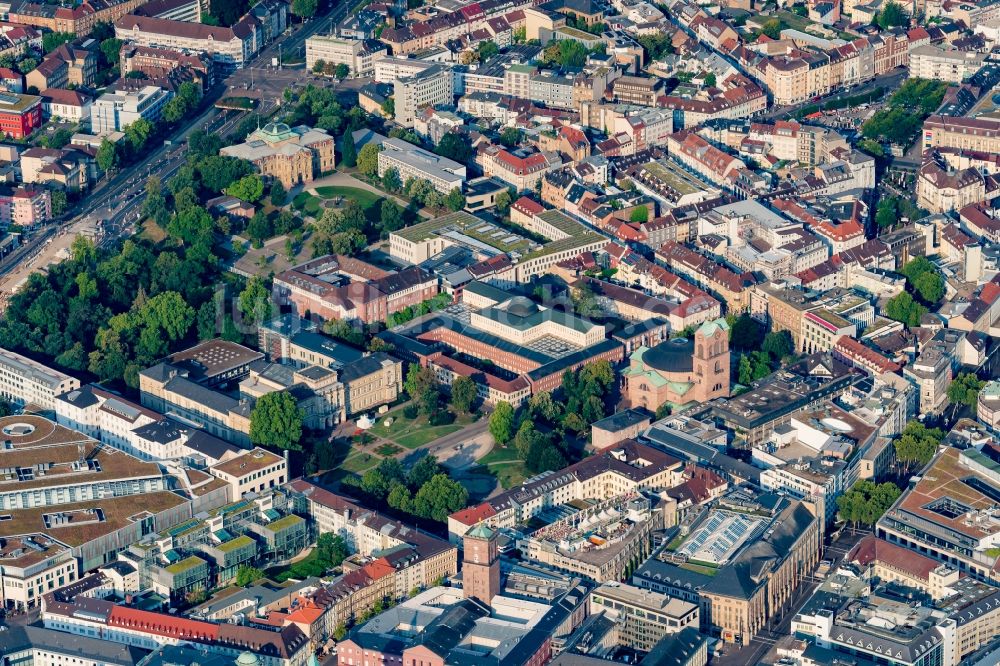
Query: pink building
x=25, y=208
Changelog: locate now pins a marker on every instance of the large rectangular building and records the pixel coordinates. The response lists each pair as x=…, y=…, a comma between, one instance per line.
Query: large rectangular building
x=26, y=382
x=115, y=111
x=415, y=162
x=20, y=115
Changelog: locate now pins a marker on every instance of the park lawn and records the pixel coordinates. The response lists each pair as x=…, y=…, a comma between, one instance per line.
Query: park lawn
x=307, y=203
x=499, y=454
x=413, y=433
x=364, y=198
x=307, y=566
x=423, y=436
x=359, y=462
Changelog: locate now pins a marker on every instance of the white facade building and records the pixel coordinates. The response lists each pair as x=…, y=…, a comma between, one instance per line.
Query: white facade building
x=113, y=112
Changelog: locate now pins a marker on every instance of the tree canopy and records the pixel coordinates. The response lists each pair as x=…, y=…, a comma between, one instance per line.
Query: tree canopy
x=866, y=501
x=276, y=421
x=917, y=444
x=964, y=390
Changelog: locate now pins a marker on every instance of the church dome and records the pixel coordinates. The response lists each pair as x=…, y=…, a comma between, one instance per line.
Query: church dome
x=676, y=355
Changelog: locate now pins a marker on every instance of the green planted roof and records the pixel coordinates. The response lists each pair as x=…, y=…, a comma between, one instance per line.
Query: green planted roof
x=238, y=542
x=185, y=565
x=284, y=523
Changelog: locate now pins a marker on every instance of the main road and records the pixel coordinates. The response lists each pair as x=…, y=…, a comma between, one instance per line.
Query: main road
x=111, y=208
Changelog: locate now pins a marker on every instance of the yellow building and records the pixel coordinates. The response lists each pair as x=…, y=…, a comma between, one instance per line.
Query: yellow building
x=292, y=155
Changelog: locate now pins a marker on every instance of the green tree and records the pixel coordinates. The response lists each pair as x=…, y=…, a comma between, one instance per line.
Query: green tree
x=502, y=422
x=276, y=420
x=342, y=71
x=511, y=136
x=873, y=148
x=304, y=8
x=772, y=28
x=964, y=390
x=463, y=394
x=892, y=15
x=331, y=549
x=710, y=80
x=389, y=107
x=368, y=159
x=53, y=40
x=422, y=386
x=27, y=65
x=391, y=180
x=745, y=333
x=349, y=153
x=656, y=44
x=440, y=497
x=248, y=188
x=503, y=202
x=107, y=156
x=455, y=147
x=247, y=575
x=917, y=444
x=455, y=201
x=138, y=133
x=778, y=344
x=886, y=214
x=390, y=217
x=425, y=470
x=59, y=202
x=278, y=195
x=903, y=308
x=255, y=301
x=319, y=66
x=866, y=501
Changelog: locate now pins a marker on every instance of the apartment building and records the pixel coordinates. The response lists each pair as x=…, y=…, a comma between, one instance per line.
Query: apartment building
x=77, y=20
x=953, y=66
x=432, y=86
x=65, y=104
x=115, y=111
x=639, y=90
x=941, y=189
x=230, y=48
x=972, y=134
x=521, y=169
x=253, y=471
x=291, y=155
x=158, y=62
x=415, y=162
x=20, y=115
x=624, y=468
x=67, y=167
x=25, y=382
x=26, y=208
x=359, y=55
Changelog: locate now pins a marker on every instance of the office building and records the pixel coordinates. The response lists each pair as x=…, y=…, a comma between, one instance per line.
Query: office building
x=115, y=111
x=27, y=383
x=414, y=162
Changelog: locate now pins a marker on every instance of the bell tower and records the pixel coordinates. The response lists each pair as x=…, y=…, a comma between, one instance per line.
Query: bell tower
x=711, y=360
x=480, y=564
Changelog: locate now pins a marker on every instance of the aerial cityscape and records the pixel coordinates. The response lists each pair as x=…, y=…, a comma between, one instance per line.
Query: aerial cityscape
x=499, y=332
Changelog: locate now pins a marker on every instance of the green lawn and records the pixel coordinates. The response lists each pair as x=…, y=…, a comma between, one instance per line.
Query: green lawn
x=359, y=462
x=508, y=473
x=364, y=198
x=425, y=435
x=499, y=454
x=413, y=433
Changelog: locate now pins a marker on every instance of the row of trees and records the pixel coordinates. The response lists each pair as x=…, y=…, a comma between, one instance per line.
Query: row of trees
x=425, y=491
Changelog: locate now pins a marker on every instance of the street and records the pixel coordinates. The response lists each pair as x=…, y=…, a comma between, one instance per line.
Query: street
x=111, y=209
